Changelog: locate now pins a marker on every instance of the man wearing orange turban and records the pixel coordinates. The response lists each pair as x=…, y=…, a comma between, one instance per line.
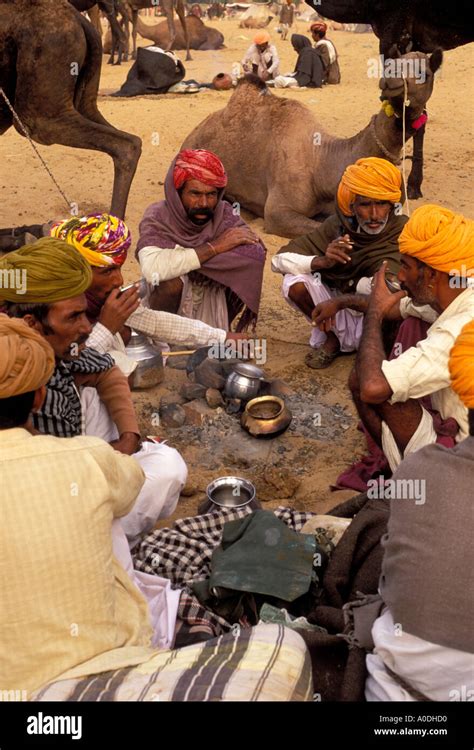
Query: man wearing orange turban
x=261, y=58
x=325, y=268
x=428, y=655
x=437, y=275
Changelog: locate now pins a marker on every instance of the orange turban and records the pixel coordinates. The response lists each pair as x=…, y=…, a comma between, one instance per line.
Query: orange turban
x=26, y=358
x=373, y=178
x=461, y=365
x=441, y=239
x=261, y=37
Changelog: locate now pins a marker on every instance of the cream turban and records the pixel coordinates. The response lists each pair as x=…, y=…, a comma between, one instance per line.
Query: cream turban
x=26, y=358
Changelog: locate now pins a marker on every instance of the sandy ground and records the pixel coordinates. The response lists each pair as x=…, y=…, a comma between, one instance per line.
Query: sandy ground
x=163, y=122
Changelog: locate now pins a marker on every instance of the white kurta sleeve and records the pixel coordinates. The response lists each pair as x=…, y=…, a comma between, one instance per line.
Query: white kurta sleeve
x=161, y=263
x=100, y=339
x=292, y=263
x=174, y=329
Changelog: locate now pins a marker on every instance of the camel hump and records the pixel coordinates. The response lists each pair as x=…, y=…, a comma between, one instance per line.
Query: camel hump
x=251, y=84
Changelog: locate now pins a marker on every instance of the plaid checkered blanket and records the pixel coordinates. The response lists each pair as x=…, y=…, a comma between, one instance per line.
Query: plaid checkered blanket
x=182, y=553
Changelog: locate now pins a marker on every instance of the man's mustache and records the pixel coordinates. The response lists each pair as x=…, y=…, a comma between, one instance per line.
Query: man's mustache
x=201, y=212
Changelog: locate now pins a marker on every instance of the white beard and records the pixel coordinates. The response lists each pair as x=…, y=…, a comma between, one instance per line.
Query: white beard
x=373, y=231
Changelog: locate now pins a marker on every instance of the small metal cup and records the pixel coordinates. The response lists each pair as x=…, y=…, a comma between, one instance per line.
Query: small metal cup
x=229, y=492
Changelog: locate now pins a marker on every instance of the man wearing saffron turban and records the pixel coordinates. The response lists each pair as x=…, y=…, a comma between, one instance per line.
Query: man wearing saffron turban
x=198, y=256
x=423, y=638
x=437, y=273
x=86, y=393
x=326, y=271
x=104, y=240
x=261, y=58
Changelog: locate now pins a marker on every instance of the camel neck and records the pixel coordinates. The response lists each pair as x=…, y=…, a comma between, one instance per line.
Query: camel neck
x=381, y=137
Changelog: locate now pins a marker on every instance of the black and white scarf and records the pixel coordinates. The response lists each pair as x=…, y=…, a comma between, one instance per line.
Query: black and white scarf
x=61, y=413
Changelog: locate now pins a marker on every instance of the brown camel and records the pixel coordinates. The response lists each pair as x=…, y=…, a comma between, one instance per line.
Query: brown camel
x=200, y=36
x=53, y=87
x=283, y=166
x=168, y=7
x=254, y=23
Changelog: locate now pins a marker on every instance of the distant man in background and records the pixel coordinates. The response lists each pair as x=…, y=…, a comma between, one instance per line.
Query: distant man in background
x=287, y=16
x=261, y=58
x=327, y=51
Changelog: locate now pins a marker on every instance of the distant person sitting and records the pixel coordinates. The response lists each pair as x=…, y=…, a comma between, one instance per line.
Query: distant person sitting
x=155, y=71
x=327, y=51
x=309, y=68
x=261, y=58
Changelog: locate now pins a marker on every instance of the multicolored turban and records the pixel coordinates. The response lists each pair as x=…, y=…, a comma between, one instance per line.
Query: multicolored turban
x=319, y=26
x=371, y=177
x=199, y=164
x=26, y=359
x=47, y=271
x=261, y=37
x=461, y=365
x=441, y=239
x=103, y=240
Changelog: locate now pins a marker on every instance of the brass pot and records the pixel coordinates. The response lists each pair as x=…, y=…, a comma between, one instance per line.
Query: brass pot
x=266, y=415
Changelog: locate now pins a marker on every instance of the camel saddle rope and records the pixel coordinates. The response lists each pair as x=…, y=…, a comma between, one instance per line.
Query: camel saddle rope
x=27, y=135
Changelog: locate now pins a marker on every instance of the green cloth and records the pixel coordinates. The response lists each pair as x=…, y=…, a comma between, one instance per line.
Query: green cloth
x=47, y=271
x=261, y=555
x=367, y=254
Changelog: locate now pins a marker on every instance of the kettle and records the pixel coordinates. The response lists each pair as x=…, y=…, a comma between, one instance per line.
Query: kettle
x=149, y=370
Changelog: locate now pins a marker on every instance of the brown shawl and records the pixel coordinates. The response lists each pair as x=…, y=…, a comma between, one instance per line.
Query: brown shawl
x=368, y=252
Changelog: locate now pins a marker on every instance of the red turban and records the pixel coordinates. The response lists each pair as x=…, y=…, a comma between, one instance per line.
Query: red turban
x=319, y=26
x=198, y=164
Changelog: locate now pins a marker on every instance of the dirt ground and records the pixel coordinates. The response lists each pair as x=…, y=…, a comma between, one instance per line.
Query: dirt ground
x=296, y=468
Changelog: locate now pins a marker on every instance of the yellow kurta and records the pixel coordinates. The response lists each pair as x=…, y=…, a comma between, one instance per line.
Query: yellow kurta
x=65, y=599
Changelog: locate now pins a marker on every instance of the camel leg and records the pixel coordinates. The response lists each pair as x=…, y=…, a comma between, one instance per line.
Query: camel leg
x=281, y=219
x=170, y=21
x=134, y=33
x=72, y=129
x=118, y=39
x=416, y=175
x=181, y=16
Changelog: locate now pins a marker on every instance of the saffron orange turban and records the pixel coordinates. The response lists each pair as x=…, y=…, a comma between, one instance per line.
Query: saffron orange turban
x=261, y=37
x=199, y=164
x=461, y=365
x=102, y=239
x=371, y=177
x=441, y=239
x=47, y=271
x=26, y=358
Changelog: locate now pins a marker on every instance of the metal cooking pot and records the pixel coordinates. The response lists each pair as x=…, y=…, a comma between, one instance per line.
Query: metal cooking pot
x=149, y=370
x=244, y=381
x=229, y=492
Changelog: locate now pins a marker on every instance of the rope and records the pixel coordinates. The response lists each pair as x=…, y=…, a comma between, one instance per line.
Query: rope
x=391, y=157
x=69, y=203
x=405, y=102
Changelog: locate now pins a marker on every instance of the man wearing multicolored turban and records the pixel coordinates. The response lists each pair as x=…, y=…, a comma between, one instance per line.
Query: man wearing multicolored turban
x=261, y=58
x=327, y=52
x=326, y=271
x=423, y=638
x=86, y=394
x=103, y=240
x=437, y=275
x=199, y=258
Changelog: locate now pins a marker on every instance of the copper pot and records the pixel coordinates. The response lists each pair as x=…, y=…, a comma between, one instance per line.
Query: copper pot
x=266, y=415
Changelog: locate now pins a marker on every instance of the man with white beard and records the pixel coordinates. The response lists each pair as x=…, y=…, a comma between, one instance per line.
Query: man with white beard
x=328, y=273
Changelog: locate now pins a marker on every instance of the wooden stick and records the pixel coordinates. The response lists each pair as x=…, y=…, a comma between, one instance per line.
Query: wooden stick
x=177, y=354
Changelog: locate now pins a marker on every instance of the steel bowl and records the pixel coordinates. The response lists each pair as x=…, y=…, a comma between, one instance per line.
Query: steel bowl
x=229, y=492
x=244, y=381
x=266, y=415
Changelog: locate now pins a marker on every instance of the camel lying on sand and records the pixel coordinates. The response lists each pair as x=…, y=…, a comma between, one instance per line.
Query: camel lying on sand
x=254, y=23
x=200, y=36
x=53, y=87
x=282, y=165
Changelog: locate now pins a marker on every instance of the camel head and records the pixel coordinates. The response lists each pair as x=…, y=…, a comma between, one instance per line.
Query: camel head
x=418, y=70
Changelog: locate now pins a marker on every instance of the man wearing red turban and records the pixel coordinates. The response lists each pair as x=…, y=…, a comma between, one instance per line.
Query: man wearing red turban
x=201, y=260
x=327, y=51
